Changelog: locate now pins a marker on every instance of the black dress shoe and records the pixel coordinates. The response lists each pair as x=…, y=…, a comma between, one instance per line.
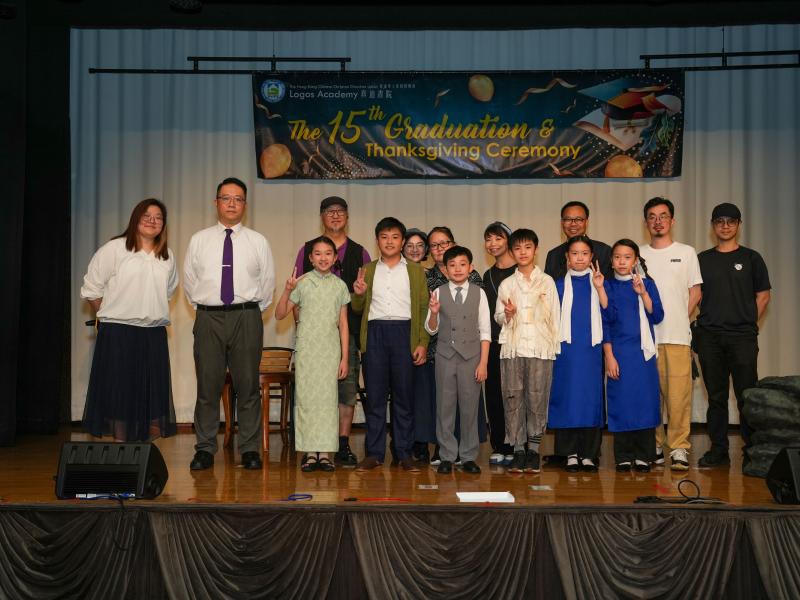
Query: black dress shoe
x=345, y=457
x=445, y=467
x=202, y=460
x=470, y=467
x=251, y=460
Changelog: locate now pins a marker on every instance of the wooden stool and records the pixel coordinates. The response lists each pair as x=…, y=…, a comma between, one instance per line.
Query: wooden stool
x=275, y=370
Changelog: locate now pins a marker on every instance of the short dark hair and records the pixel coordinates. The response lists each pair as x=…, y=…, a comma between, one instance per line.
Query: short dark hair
x=235, y=181
x=323, y=239
x=456, y=251
x=523, y=235
x=657, y=201
x=390, y=223
x=497, y=228
x=577, y=203
x=582, y=239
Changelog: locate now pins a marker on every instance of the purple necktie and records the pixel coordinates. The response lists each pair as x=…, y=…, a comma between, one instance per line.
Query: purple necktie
x=226, y=291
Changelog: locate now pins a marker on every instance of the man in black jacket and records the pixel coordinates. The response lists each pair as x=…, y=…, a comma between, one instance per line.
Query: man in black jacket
x=575, y=221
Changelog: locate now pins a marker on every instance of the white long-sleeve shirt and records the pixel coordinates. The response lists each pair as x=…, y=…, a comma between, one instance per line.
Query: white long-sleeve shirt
x=253, y=267
x=533, y=332
x=484, y=318
x=135, y=286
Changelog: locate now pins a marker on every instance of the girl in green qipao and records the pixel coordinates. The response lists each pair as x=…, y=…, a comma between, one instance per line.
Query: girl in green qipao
x=320, y=354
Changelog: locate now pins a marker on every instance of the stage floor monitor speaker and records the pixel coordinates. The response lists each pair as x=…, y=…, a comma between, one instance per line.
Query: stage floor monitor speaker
x=783, y=478
x=108, y=468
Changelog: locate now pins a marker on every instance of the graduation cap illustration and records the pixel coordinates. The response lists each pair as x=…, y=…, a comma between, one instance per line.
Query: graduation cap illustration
x=628, y=107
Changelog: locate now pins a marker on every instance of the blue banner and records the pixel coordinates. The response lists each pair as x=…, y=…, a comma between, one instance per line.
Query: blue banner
x=524, y=125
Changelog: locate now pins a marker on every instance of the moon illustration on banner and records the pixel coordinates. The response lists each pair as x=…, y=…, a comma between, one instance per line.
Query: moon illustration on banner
x=275, y=160
x=621, y=166
x=481, y=87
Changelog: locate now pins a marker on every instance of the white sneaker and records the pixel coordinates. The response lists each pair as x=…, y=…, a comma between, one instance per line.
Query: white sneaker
x=680, y=459
x=659, y=461
x=507, y=459
x=496, y=458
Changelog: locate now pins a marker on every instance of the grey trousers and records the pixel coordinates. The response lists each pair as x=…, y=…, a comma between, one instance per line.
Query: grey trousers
x=525, y=383
x=231, y=340
x=456, y=386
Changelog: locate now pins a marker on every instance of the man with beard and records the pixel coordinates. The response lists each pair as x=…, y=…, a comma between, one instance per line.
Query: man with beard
x=674, y=268
x=350, y=257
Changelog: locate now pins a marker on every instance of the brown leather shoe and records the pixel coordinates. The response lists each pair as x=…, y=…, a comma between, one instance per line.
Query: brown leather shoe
x=369, y=463
x=408, y=465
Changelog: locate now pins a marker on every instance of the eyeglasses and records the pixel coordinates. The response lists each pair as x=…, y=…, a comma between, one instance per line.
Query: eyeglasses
x=229, y=199
x=442, y=245
x=335, y=212
x=658, y=218
x=419, y=246
x=575, y=220
x=727, y=221
x=152, y=218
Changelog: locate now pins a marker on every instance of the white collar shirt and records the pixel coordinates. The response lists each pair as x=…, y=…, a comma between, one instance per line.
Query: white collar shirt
x=253, y=267
x=484, y=315
x=391, y=292
x=135, y=287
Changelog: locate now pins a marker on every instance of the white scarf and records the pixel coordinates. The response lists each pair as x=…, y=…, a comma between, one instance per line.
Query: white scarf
x=566, y=310
x=649, y=349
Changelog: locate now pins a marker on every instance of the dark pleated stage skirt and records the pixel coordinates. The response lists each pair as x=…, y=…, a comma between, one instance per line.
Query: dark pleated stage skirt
x=130, y=390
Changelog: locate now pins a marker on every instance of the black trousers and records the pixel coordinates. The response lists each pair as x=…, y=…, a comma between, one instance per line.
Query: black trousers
x=583, y=441
x=494, y=403
x=632, y=445
x=724, y=357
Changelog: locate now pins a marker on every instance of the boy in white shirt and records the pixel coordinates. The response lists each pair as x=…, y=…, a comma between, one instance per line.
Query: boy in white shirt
x=675, y=269
x=529, y=313
x=459, y=313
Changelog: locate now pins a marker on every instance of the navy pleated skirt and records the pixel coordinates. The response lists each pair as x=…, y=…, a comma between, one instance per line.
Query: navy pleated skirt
x=130, y=389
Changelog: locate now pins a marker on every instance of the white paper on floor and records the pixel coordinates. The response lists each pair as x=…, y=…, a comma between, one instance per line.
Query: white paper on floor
x=485, y=496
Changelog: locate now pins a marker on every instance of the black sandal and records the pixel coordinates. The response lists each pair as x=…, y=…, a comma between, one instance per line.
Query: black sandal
x=325, y=464
x=309, y=463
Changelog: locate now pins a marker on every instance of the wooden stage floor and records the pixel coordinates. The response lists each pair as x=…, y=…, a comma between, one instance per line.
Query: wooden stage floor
x=27, y=476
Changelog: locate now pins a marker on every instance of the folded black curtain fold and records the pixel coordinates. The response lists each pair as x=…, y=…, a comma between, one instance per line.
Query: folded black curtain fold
x=450, y=554
x=150, y=551
x=247, y=554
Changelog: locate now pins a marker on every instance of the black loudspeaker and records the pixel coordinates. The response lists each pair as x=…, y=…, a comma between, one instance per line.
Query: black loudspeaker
x=783, y=478
x=110, y=468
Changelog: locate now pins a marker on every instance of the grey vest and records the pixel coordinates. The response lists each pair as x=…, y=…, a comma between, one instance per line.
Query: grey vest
x=458, y=324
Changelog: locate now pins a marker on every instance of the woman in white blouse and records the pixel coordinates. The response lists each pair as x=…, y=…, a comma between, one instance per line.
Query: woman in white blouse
x=129, y=282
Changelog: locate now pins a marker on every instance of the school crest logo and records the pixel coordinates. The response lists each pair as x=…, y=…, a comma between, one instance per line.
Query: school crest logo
x=737, y=266
x=273, y=90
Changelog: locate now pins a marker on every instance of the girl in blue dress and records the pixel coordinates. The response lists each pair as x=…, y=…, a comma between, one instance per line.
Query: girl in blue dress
x=634, y=306
x=576, y=400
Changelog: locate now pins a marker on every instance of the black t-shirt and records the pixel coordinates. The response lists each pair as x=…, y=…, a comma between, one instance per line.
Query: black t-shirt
x=491, y=283
x=555, y=264
x=730, y=283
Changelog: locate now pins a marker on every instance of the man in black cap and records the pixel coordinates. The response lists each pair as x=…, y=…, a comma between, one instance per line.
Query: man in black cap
x=350, y=257
x=736, y=291
x=575, y=221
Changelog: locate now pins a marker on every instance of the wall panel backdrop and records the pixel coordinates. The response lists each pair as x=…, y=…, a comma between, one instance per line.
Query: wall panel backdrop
x=175, y=136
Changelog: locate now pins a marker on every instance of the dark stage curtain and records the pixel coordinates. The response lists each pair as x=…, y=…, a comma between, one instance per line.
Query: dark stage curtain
x=397, y=552
x=13, y=40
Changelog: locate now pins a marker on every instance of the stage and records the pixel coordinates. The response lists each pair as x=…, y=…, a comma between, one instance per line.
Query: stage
x=230, y=533
x=26, y=471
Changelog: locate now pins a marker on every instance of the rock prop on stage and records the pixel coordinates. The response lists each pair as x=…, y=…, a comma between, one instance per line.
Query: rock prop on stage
x=773, y=411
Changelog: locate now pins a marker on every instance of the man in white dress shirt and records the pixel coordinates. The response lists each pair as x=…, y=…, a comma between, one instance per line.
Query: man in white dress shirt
x=229, y=277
